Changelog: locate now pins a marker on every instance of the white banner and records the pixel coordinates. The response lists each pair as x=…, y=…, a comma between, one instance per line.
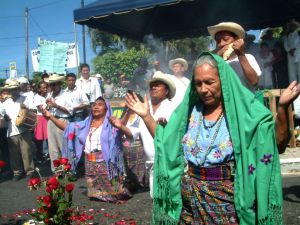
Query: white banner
x=35, y=57
x=72, y=62
x=12, y=70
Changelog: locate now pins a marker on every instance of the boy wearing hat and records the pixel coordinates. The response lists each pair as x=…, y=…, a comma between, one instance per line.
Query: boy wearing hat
x=57, y=102
x=229, y=39
x=19, y=139
x=179, y=66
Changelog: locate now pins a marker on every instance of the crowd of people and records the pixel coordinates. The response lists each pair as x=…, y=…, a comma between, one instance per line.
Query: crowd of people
x=205, y=147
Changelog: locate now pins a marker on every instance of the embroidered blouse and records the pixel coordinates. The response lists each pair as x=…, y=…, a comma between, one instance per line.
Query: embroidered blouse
x=93, y=141
x=205, y=146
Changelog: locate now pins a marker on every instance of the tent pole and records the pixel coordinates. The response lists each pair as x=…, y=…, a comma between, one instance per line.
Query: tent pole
x=76, y=50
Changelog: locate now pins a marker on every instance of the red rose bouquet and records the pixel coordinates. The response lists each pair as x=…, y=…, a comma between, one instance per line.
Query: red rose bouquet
x=55, y=204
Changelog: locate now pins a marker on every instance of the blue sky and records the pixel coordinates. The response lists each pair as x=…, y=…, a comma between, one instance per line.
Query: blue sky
x=48, y=19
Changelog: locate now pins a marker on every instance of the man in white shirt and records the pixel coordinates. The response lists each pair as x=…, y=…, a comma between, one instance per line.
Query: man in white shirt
x=57, y=102
x=229, y=39
x=179, y=66
x=19, y=139
x=89, y=85
x=28, y=95
x=292, y=47
x=160, y=108
x=77, y=99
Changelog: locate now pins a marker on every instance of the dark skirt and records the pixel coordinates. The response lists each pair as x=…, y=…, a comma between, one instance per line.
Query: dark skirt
x=207, y=201
x=98, y=185
x=134, y=159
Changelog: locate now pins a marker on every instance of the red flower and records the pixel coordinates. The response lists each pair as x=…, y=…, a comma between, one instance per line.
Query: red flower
x=38, y=198
x=64, y=161
x=53, y=183
x=69, y=187
x=47, y=200
x=71, y=136
x=2, y=164
x=67, y=167
x=56, y=163
x=48, y=189
x=46, y=220
x=34, y=182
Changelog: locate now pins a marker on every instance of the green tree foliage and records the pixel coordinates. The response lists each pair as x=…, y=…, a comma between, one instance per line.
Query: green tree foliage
x=116, y=54
x=113, y=63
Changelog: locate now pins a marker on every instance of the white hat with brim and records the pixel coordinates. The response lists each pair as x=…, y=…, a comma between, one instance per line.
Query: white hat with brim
x=181, y=61
x=159, y=76
x=235, y=28
x=13, y=84
x=54, y=78
x=23, y=80
x=98, y=75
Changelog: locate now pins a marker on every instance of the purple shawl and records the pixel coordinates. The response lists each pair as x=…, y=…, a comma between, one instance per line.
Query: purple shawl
x=75, y=135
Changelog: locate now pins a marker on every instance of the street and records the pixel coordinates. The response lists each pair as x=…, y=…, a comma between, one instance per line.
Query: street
x=15, y=197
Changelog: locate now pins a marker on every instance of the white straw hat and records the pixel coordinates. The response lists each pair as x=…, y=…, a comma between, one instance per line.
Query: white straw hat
x=159, y=76
x=235, y=28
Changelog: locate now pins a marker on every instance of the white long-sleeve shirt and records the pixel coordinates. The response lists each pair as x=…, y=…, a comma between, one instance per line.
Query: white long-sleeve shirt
x=90, y=86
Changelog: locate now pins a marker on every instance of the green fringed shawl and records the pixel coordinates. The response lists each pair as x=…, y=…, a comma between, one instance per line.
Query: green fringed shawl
x=257, y=195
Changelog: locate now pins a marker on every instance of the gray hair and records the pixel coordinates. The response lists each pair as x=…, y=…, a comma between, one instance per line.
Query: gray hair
x=205, y=59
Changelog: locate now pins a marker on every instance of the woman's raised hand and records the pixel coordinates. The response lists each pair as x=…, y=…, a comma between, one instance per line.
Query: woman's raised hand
x=115, y=122
x=289, y=94
x=133, y=103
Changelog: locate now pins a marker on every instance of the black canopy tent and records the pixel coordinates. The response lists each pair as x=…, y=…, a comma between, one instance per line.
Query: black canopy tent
x=172, y=19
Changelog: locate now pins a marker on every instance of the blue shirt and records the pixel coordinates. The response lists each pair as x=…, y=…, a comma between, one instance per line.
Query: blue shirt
x=197, y=139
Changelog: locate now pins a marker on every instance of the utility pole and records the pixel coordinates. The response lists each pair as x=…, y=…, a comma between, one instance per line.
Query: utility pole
x=83, y=36
x=26, y=41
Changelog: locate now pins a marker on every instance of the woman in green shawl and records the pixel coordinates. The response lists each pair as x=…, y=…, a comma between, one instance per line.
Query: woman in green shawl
x=216, y=160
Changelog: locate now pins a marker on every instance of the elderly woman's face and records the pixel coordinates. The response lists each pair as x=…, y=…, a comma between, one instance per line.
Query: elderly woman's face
x=208, y=85
x=99, y=108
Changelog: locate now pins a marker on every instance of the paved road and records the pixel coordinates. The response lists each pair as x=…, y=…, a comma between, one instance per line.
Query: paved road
x=15, y=197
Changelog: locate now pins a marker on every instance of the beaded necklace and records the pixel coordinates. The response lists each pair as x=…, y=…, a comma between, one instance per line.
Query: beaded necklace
x=212, y=125
x=212, y=140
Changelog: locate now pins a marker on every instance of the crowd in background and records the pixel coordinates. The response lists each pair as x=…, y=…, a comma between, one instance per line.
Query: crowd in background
x=76, y=122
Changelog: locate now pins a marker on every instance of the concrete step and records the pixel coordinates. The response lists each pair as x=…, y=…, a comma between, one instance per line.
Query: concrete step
x=290, y=166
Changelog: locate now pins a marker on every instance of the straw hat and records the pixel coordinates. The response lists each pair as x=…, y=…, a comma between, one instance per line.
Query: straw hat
x=13, y=84
x=181, y=61
x=23, y=80
x=54, y=78
x=227, y=26
x=98, y=75
x=159, y=76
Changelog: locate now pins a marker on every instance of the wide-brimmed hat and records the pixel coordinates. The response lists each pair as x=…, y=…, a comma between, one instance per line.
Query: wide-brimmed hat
x=235, y=28
x=98, y=75
x=54, y=78
x=159, y=76
x=294, y=22
x=13, y=84
x=23, y=80
x=181, y=61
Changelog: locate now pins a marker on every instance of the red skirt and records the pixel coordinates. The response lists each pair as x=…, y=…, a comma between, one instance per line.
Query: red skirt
x=40, y=131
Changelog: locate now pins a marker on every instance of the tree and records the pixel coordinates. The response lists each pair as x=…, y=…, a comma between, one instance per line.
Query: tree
x=113, y=63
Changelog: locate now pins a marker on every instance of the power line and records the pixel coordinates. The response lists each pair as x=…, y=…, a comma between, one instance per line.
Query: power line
x=36, y=35
x=36, y=23
x=8, y=17
x=47, y=4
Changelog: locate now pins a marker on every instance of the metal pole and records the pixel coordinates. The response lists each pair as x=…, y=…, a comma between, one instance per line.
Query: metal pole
x=76, y=50
x=83, y=36
x=26, y=40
